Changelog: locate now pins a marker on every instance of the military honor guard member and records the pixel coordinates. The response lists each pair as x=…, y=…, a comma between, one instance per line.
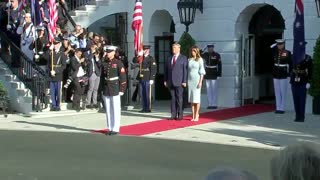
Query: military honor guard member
x=57, y=64
x=300, y=81
x=146, y=76
x=213, y=69
x=114, y=82
x=281, y=71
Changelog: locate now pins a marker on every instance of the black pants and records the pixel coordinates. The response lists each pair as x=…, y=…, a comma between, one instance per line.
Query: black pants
x=78, y=92
x=176, y=102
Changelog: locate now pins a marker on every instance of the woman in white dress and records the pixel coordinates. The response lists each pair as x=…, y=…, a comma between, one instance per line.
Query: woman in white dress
x=196, y=72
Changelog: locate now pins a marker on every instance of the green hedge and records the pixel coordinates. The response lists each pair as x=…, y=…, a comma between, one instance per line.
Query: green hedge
x=186, y=42
x=315, y=81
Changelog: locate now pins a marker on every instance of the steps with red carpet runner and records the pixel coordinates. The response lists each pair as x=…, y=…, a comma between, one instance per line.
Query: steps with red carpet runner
x=207, y=117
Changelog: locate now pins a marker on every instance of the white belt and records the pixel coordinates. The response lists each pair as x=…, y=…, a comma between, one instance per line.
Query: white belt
x=211, y=66
x=281, y=65
x=112, y=79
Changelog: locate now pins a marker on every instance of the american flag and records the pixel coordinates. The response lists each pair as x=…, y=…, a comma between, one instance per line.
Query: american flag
x=53, y=19
x=137, y=27
x=299, y=49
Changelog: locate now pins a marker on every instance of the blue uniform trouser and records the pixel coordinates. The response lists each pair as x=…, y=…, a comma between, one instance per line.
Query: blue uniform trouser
x=55, y=93
x=299, y=93
x=145, y=91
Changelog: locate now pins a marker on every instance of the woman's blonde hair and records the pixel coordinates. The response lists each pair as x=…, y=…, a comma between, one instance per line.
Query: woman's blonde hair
x=297, y=162
x=197, y=50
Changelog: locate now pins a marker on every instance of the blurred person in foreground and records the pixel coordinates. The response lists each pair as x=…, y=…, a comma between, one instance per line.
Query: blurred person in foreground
x=228, y=173
x=296, y=162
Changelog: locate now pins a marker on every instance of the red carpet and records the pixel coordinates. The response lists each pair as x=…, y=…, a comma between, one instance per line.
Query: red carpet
x=213, y=116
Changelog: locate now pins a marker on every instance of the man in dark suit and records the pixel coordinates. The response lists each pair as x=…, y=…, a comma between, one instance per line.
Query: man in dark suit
x=175, y=78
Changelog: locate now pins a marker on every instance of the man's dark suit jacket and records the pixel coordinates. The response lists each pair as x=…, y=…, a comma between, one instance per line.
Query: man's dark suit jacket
x=176, y=74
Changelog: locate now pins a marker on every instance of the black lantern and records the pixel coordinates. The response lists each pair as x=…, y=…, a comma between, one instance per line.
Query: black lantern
x=318, y=7
x=187, y=11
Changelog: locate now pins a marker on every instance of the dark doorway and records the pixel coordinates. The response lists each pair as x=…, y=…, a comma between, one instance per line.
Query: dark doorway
x=267, y=25
x=162, y=52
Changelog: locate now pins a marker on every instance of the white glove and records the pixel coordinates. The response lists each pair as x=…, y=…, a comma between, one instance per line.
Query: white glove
x=121, y=93
x=8, y=4
x=51, y=47
x=36, y=56
x=9, y=27
x=151, y=82
x=308, y=85
x=53, y=73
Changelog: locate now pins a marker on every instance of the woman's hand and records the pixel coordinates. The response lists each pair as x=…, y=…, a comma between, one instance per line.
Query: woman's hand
x=199, y=85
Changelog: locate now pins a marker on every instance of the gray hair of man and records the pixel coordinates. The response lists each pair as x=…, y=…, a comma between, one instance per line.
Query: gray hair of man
x=296, y=162
x=229, y=173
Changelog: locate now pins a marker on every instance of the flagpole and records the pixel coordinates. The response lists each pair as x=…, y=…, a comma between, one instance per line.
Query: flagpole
x=36, y=33
x=52, y=57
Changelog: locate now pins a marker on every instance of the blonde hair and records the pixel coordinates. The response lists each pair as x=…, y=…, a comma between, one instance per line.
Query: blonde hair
x=197, y=50
x=296, y=162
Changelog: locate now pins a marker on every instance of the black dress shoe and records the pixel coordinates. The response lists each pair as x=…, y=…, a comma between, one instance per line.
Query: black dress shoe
x=281, y=112
x=299, y=120
x=277, y=112
x=111, y=133
x=89, y=106
x=171, y=118
x=96, y=106
x=214, y=107
x=179, y=118
x=148, y=111
x=52, y=109
x=57, y=109
x=142, y=111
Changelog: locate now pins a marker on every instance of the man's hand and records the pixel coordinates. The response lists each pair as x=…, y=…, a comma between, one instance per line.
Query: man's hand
x=184, y=84
x=165, y=84
x=151, y=82
x=53, y=73
x=36, y=56
x=308, y=85
x=121, y=93
x=51, y=47
x=9, y=27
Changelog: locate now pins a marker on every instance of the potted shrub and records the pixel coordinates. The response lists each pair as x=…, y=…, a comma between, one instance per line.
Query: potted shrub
x=315, y=80
x=186, y=42
x=3, y=99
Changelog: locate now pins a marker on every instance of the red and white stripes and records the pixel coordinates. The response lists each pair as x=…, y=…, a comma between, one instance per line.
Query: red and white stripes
x=53, y=19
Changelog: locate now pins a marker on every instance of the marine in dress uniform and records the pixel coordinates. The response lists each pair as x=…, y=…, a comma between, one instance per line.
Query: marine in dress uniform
x=281, y=71
x=213, y=67
x=300, y=81
x=114, y=84
x=56, y=73
x=146, y=76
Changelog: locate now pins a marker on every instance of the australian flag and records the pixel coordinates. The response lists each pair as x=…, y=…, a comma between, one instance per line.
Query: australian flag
x=299, y=49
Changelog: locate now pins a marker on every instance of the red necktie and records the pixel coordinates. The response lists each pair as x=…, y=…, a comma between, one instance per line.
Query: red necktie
x=174, y=60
